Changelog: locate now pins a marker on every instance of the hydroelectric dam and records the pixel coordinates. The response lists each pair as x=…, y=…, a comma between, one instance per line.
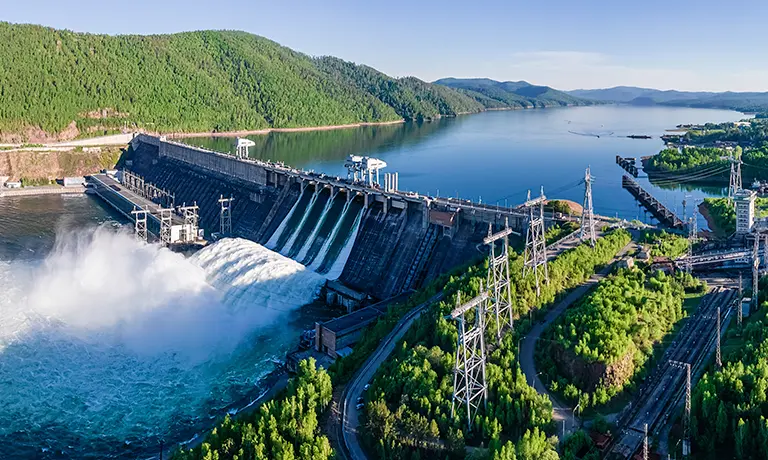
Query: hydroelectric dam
x=375, y=240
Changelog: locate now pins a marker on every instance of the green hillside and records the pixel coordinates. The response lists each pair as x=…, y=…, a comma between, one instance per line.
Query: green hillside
x=193, y=81
x=511, y=94
x=410, y=97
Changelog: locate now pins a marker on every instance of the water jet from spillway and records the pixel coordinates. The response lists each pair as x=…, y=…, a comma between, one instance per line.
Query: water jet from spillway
x=109, y=340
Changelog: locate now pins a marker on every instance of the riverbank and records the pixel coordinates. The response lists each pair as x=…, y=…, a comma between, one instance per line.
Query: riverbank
x=260, y=132
x=42, y=190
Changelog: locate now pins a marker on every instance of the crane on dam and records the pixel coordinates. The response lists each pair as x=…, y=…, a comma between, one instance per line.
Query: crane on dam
x=363, y=169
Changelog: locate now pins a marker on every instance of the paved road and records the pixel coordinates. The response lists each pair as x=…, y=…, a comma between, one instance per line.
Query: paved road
x=561, y=412
x=351, y=448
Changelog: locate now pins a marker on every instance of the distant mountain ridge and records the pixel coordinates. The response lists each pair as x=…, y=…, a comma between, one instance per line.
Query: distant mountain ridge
x=511, y=94
x=741, y=101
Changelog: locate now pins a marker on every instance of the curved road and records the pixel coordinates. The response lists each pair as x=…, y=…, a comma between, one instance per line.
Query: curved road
x=561, y=412
x=351, y=448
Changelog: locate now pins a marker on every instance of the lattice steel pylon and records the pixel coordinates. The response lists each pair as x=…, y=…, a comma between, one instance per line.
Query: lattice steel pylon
x=225, y=215
x=741, y=296
x=140, y=223
x=190, y=221
x=165, y=224
x=692, y=224
x=755, y=269
x=535, y=242
x=734, y=184
x=718, y=356
x=499, y=284
x=645, y=442
x=687, y=415
x=587, y=212
x=469, y=384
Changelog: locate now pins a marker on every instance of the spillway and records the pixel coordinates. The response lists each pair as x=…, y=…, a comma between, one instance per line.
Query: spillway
x=108, y=344
x=380, y=242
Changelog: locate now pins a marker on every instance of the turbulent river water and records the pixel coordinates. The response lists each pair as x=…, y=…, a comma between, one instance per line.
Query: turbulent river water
x=108, y=345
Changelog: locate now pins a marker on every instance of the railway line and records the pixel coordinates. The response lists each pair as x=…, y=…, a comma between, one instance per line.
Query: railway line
x=663, y=392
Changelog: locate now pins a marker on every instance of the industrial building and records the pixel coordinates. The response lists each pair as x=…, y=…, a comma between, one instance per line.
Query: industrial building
x=745, y=210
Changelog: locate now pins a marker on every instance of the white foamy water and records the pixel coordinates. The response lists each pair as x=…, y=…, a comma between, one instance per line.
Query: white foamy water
x=110, y=340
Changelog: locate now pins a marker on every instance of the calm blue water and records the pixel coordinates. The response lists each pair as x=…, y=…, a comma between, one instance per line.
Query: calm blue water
x=498, y=156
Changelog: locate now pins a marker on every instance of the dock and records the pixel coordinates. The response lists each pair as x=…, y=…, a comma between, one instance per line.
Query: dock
x=42, y=190
x=654, y=206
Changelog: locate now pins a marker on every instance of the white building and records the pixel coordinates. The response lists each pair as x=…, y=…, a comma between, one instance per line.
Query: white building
x=745, y=210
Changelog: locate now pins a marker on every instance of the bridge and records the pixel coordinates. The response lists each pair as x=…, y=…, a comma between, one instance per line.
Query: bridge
x=628, y=164
x=654, y=206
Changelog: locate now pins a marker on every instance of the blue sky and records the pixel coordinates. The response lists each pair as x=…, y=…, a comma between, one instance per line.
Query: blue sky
x=687, y=45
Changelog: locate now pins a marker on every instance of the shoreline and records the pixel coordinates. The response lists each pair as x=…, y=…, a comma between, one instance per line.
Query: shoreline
x=41, y=190
x=264, y=131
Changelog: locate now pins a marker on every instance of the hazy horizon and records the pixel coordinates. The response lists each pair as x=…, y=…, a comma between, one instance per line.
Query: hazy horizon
x=686, y=47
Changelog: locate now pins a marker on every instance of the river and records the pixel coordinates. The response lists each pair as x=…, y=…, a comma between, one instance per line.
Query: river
x=100, y=360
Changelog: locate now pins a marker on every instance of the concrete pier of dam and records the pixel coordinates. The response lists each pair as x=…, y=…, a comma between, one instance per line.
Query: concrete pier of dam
x=375, y=240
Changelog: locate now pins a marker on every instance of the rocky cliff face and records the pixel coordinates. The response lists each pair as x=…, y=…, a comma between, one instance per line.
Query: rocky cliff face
x=41, y=166
x=587, y=376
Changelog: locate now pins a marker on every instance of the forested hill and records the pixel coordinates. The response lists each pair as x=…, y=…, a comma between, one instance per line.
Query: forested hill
x=511, y=94
x=745, y=102
x=57, y=84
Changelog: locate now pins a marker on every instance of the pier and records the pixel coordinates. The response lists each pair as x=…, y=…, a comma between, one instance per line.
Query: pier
x=628, y=164
x=654, y=206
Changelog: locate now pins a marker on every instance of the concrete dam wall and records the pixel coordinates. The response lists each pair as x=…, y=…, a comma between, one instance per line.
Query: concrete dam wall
x=374, y=241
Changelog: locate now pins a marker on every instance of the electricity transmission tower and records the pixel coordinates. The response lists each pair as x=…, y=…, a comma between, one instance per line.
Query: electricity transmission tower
x=687, y=413
x=741, y=296
x=165, y=224
x=498, y=278
x=687, y=419
x=140, y=223
x=225, y=215
x=535, y=241
x=692, y=224
x=734, y=184
x=718, y=358
x=755, y=269
x=587, y=212
x=469, y=385
x=645, y=443
x=190, y=221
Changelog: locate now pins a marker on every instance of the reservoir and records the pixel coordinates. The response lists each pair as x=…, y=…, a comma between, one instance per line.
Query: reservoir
x=100, y=360
x=497, y=156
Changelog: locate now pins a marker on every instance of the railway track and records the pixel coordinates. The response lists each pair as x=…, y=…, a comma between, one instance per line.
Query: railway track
x=662, y=392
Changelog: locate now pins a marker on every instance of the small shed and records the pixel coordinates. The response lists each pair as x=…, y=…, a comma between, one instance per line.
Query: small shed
x=75, y=181
x=339, y=295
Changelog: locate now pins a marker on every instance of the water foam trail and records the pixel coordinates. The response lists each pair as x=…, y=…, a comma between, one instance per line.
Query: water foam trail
x=307, y=244
x=341, y=260
x=286, y=249
x=272, y=243
x=320, y=257
x=111, y=340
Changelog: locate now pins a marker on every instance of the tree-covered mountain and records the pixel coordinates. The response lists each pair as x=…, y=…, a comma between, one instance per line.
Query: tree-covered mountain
x=410, y=97
x=511, y=94
x=58, y=84
x=747, y=102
